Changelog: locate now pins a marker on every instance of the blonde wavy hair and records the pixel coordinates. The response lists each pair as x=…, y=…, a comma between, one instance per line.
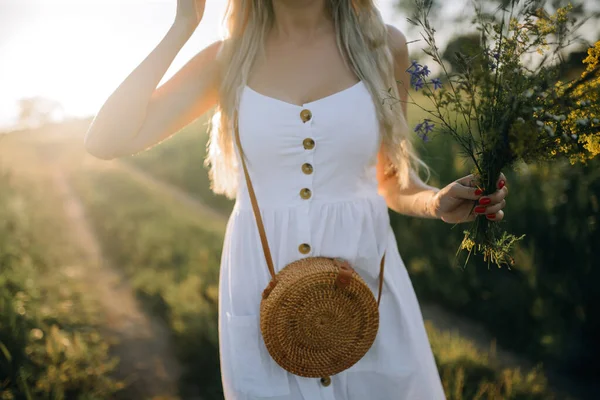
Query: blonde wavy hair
x=362, y=39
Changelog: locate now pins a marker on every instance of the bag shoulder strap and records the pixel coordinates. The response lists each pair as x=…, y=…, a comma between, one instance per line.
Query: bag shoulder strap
x=258, y=218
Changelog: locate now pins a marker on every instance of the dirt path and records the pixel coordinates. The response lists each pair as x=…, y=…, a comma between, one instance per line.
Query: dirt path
x=142, y=343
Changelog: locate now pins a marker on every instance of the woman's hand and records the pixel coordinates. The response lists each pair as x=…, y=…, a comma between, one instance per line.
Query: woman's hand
x=190, y=12
x=454, y=203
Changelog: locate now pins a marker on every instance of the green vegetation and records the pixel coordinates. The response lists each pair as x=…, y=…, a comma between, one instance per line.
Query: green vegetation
x=548, y=296
x=172, y=258
x=179, y=160
x=469, y=374
x=50, y=347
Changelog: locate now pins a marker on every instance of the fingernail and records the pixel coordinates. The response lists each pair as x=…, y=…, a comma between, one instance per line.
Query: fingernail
x=501, y=184
x=491, y=216
x=478, y=192
x=485, y=200
x=479, y=209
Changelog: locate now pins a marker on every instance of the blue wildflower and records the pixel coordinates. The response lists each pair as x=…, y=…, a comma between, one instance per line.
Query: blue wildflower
x=428, y=126
x=414, y=76
x=425, y=71
x=419, y=84
x=423, y=128
x=414, y=66
x=437, y=83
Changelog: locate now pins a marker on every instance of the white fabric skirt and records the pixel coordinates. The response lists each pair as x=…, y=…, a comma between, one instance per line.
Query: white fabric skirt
x=399, y=365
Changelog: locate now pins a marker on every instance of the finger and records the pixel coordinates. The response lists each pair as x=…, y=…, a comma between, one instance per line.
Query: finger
x=494, y=198
x=493, y=209
x=461, y=191
x=469, y=180
x=501, y=182
x=496, y=216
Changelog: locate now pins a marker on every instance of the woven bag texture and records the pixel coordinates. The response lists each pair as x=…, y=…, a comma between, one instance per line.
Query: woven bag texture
x=313, y=327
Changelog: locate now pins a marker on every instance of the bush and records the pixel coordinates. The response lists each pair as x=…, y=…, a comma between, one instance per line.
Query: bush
x=49, y=344
x=469, y=374
x=549, y=295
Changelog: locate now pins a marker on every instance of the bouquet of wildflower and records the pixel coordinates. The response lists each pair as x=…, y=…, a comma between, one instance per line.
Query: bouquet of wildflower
x=506, y=103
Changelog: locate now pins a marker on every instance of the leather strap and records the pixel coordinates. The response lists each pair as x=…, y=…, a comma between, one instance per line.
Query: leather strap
x=259, y=222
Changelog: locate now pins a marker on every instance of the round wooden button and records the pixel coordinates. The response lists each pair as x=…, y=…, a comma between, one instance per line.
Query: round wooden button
x=307, y=168
x=304, y=248
x=305, y=193
x=306, y=115
x=325, y=381
x=308, y=143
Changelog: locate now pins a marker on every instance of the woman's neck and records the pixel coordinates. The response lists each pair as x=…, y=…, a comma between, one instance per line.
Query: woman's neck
x=300, y=20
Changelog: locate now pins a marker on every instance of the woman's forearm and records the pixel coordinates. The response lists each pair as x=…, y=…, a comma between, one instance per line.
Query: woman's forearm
x=415, y=204
x=124, y=111
x=414, y=200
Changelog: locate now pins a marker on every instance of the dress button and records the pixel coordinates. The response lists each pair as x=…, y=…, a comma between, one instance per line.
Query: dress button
x=307, y=168
x=308, y=143
x=306, y=115
x=325, y=381
x=304, y=248
x=305, y=193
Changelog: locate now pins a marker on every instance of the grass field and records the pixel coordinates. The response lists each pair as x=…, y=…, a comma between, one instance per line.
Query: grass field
x=51, y=342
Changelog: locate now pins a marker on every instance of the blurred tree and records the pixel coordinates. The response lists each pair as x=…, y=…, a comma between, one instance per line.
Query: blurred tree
x=467, y=42
x=573, y=65
x=468, y=45
x=37, y=110
x=581, y=8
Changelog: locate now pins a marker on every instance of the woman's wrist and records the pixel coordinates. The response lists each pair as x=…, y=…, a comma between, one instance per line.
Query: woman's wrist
x=182, y=29
x=431, y=204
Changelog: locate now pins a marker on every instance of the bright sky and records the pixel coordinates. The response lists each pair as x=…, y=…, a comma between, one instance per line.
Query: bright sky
x=78, y=51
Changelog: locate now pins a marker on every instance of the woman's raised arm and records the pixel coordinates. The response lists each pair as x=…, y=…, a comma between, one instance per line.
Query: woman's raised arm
x=137, y=115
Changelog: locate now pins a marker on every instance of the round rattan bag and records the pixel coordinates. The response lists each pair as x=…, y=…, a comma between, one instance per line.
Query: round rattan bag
x=317, y=315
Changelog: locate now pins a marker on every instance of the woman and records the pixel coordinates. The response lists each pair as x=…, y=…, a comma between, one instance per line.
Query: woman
x=327, y=159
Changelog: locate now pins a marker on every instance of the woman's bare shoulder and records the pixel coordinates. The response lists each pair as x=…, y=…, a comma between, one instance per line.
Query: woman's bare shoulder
x=397, y=42
x=210, y=54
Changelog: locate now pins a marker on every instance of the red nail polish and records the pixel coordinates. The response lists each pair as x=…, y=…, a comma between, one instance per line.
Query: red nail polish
x=491, y=216
x=485, y=200
x=478, y=192
x=501, y=184
x=479, y=209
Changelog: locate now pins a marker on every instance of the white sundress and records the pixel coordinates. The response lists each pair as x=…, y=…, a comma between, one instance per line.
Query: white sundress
x=332, y=209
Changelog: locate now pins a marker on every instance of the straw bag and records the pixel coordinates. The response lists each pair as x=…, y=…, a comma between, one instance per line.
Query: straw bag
x=317, y=315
